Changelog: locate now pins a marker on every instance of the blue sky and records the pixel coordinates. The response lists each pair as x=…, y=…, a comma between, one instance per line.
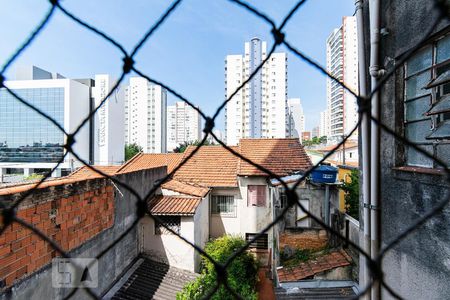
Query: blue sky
x=186, y=53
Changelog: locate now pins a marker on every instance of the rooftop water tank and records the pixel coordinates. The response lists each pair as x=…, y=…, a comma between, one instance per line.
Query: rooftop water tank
x=324, y=174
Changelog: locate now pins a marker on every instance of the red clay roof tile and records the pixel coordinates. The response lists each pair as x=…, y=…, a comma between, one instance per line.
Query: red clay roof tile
x=281, y=156
x=173, y=205
x=318, y=265
x=185, y=188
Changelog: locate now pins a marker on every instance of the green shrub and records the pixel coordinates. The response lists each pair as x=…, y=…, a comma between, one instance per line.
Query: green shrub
x=34, y=176
x=351, y=189
x=241, y=273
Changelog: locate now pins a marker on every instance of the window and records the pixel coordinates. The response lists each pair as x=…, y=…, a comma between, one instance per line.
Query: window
x=172, y=222
x=223, y=205
x=259, y=243
x=427, y=103
x=256, y=195
x=283, y=200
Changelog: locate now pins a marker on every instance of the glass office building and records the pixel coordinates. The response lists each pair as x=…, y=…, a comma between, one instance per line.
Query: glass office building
x=25, y=135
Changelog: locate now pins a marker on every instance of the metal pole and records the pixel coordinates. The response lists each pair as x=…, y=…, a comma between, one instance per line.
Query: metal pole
x=343, y=151
x=364, y=132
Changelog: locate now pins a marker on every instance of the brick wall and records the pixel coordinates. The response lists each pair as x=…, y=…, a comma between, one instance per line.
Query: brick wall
x=304, y=239
x=69, y=214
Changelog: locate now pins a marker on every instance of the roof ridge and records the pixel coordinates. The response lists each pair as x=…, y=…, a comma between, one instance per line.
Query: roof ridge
x=130, y=161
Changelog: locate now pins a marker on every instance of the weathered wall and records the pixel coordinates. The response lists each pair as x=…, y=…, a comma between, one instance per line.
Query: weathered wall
x=301, y=238
x=38, y=285
x=69, y=214
x=418, y=267
x=169, y=248
x=201, y=229
x=222, y=224
x=312, y=197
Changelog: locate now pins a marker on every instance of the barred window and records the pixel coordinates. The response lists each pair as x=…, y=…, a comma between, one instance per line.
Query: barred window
x=256, y=195
x=223, y=205
x=172, y=222
x=427, y=103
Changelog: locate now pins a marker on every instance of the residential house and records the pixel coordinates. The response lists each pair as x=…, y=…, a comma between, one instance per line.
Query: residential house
x=215, y=193
x=346, y=154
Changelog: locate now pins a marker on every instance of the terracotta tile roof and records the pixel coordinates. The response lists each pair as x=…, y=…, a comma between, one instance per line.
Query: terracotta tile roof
x=87, y=173
x=348, y=144
x=173, y=205
x=144, y=161
x=185, y=188
x=281, y=156
x=83, y=173
x=212, y=166
x=312, y=267
x=339, y=163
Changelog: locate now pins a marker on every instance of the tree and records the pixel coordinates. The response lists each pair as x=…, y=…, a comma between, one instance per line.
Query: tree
x=241, y=273
x=183, y=146
x=131, y=150
x=351, y=189
x=315, y=141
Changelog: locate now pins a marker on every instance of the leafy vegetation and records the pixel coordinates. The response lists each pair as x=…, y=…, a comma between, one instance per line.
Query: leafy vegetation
x=241, y=273
x=34, y=176
x=299, y=256
x=351, y=189
x=131, y=150
x=315, y=141
x=182, y=147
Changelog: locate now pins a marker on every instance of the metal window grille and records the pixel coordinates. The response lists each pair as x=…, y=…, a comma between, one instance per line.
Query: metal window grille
x=168, y=225
x=224, y=205
x=9, y=213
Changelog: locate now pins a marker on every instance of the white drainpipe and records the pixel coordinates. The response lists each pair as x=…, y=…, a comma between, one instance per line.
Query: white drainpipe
x=364, y=131
x=375, y=73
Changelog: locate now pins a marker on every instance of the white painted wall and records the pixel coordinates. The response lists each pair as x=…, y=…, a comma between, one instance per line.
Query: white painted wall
x=248, y=219
x=351, y=155
x=201, y=229
x=224, y=224
x=109, y=121
x=172, y=250
x=169, y=249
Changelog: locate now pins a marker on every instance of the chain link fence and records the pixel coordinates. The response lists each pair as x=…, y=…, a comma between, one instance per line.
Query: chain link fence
x=279, y=38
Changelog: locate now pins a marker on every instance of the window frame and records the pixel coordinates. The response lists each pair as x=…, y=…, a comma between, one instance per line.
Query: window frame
x=434, y=97
x=215, y=207
x=258, y=202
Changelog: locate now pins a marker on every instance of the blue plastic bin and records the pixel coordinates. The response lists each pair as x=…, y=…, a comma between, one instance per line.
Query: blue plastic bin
x=324, y=174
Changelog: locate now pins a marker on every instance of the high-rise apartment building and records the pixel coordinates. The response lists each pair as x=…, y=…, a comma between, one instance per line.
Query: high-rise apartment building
x=296, y=119
x=324, y=126
x=183, y=125
x=109, y=121
x=145, y=115
x=259, y=110
x=342, y=63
